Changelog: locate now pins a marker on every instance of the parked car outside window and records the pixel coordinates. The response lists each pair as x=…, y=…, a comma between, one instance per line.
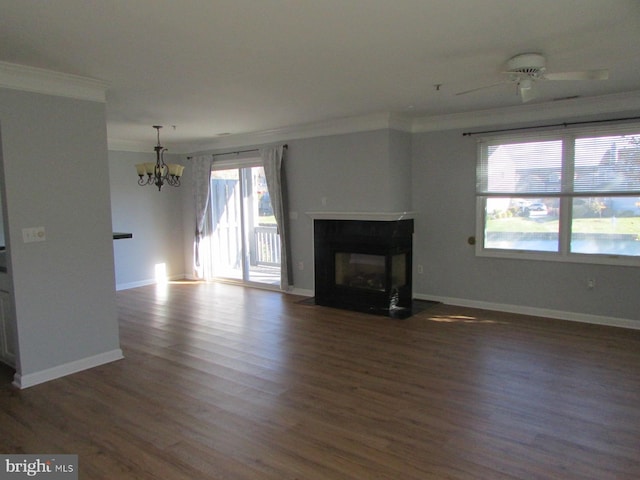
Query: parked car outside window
x=537, y=209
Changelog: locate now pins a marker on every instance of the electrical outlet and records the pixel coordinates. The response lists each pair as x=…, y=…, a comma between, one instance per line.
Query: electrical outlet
x=420, y=270
x=591, y=283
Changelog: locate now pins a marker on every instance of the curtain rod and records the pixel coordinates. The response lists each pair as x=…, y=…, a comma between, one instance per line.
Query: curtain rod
x=566, y=124
x=243, y=151
x=285, y=146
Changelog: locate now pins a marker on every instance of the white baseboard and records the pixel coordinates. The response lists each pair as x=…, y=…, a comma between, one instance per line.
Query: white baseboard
x=534, y=311
x=127, y=286
x=144, y=283
x=303, y=292
x=31, y=379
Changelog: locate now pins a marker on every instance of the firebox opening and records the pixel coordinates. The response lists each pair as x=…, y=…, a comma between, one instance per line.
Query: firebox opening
x=358, y=270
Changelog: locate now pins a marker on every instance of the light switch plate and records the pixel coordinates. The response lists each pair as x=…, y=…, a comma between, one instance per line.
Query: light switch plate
x=33, y=234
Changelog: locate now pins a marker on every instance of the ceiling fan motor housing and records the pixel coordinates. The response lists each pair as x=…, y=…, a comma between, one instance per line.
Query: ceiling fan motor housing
x=529, y=64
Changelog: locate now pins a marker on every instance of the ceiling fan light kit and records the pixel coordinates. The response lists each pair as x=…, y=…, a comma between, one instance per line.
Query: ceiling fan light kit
x=530, y=64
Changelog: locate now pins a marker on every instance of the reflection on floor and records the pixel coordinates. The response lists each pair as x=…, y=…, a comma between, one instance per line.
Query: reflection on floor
x=264, y=274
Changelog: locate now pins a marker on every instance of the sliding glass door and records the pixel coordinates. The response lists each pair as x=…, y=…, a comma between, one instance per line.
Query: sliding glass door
x=245, y=240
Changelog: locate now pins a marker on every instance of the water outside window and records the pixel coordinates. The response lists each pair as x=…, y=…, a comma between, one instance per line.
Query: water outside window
x=536, y=198
x=609, y=222
x=522, y=223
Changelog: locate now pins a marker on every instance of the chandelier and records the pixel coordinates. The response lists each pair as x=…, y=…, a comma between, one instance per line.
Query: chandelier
x=159, y=173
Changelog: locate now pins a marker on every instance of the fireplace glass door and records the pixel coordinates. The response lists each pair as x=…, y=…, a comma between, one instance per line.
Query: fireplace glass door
x=357, y=270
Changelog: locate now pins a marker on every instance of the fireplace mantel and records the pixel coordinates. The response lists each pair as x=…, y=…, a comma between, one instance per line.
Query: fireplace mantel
x=371, y=216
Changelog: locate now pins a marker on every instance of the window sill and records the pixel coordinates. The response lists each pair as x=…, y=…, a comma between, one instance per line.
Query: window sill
x=595, y=259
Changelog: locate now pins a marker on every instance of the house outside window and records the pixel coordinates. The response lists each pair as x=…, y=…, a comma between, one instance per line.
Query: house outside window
x=571, y=195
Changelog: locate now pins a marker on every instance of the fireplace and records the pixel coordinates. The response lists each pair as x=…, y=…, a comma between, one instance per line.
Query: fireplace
x=364, y=265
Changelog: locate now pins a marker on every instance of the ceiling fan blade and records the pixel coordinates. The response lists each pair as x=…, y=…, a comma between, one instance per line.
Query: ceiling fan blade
x=480, y=88
x=585, y=75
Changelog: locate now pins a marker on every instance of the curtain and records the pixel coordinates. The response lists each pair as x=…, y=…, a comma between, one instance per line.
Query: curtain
x=272, y=159
x=201, y=183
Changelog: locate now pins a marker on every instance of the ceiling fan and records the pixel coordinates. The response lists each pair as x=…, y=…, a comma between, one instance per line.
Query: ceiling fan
x=526, y=69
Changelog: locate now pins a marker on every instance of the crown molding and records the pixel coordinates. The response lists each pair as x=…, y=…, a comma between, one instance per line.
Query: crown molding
x=603, y=104
x=526, y=113
x=39, y=80
x=338, y=126
x=128, y=146
x=134, y=146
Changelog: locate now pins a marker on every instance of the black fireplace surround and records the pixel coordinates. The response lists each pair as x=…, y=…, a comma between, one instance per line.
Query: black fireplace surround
x=364, y=265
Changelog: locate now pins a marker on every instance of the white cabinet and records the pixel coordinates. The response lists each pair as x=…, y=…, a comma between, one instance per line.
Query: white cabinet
x=7, y=330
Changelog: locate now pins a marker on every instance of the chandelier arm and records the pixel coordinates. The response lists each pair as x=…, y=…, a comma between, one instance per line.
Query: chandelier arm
x=162, y=156
x=173, y=181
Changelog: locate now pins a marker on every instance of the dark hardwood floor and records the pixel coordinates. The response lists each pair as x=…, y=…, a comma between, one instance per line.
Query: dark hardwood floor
x=223, y=382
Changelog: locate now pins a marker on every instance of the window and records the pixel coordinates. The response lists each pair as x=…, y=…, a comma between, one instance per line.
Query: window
x=570, y=196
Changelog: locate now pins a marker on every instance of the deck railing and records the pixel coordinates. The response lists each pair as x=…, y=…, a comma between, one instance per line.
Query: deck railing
x=267, y=245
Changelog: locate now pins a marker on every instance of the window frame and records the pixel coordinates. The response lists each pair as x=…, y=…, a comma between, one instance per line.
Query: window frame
x=566, y=195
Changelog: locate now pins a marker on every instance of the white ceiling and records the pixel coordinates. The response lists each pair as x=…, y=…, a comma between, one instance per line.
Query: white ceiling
x=218, y=67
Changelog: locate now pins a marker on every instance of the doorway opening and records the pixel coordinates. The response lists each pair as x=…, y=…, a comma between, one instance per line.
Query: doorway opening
x=245, y=239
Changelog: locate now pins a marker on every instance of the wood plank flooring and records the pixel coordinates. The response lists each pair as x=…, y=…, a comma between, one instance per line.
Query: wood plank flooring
x=225, y=382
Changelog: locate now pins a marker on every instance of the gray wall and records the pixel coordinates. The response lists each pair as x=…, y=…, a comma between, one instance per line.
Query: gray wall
x=444, y=172
x=399, y=168
x=432, y=174
x=154, y=217
x=56, y=175
x=353, y=172
x=359, y=172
